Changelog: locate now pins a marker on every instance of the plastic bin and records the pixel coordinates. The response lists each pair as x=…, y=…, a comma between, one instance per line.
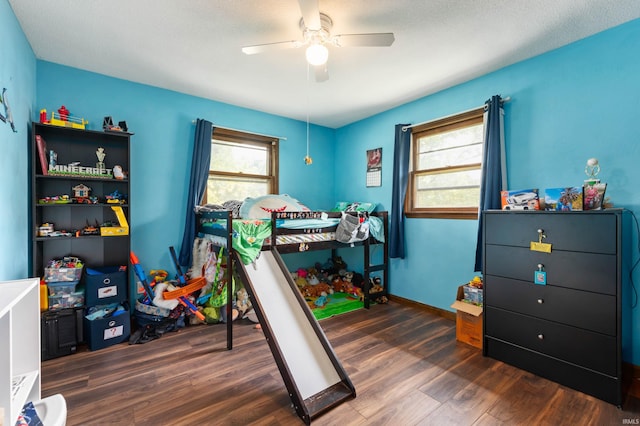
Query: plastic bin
x=65, y=295
x=54, y=275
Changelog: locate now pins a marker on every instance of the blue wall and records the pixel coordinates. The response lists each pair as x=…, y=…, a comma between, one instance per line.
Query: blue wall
x=568, y=105
x=161, y=148
x=580, y=101
x=18, y=76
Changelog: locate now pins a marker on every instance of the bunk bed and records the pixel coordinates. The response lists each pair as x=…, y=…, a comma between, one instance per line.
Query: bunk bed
x=295, y=232
x=315, y=379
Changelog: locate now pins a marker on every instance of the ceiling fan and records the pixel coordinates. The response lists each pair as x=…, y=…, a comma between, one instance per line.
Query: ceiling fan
x=316, y=35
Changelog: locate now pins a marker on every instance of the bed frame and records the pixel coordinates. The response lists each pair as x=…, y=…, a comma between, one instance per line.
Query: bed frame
x=332, y=245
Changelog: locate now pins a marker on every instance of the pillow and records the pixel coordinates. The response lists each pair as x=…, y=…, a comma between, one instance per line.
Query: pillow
x=343, y=206
x=261, y=207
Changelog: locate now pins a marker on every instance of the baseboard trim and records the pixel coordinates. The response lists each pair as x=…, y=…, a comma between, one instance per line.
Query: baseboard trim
x=437, y=311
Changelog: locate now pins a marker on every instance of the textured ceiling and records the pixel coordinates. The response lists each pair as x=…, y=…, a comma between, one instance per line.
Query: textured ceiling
x=194, y=46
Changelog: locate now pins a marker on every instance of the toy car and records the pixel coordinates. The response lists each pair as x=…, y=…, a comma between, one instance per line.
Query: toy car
x=116, y=198
x=86, y=200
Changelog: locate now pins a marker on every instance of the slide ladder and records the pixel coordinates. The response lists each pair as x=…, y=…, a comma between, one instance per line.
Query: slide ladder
x=314, y=376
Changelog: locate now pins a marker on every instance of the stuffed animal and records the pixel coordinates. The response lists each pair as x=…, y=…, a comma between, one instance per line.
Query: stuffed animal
x=321, y=300
x=316, y=290
x=355, y=292
x=376, y=285
x=338, y=263
x=312, y=279
x=340, y=285
x=328, y=266
x=242, y=302
x=301, y=282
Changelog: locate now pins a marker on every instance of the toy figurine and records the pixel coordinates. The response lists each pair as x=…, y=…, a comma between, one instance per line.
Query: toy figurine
x=100, y=154
x=64, y=113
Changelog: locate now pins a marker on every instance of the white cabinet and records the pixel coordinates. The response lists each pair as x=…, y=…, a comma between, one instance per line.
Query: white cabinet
x=19, y=347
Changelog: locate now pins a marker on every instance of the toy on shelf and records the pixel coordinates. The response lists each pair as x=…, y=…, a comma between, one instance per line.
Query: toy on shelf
x=81, y=191
x=116, y=198
x=90, y=230
x=62, y=118
x=122, y=229
x=100, y=154
x=108, y=126
x=56, y=199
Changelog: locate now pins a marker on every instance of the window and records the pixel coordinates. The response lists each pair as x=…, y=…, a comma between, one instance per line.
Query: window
x=242, y=165
x=446, y=165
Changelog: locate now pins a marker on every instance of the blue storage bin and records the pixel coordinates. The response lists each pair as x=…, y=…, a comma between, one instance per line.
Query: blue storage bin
x=105, y=285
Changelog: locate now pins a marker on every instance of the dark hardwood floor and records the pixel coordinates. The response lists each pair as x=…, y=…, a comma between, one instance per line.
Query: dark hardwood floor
x=404, y=361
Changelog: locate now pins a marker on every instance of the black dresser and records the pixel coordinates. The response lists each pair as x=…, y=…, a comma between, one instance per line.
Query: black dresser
x=567, y=323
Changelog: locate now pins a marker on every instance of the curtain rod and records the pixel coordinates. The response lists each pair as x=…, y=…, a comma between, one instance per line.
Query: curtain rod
x=405, y=128
x=282, y=138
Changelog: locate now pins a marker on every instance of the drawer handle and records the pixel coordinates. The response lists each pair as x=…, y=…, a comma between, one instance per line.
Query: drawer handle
x=540, y=336
x=540, y=301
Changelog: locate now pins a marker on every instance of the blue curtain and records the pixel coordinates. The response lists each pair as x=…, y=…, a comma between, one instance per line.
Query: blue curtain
x=491, y=178
x=401, y=151
x=197, y=186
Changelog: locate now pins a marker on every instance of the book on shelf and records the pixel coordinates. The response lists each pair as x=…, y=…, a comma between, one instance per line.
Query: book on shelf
x=42, y=153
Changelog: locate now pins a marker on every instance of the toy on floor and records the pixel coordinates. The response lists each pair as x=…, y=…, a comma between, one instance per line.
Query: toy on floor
x=321, y=300
x=142, y=277
x=183, y=281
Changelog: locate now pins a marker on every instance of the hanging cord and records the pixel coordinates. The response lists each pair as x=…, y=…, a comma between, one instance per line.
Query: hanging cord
x=307, y=158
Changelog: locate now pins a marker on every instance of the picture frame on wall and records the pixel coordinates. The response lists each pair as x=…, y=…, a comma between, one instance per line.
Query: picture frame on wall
x=374, y=167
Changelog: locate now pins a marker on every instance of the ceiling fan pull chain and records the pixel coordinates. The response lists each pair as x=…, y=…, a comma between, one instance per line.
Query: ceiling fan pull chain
x=307, y=158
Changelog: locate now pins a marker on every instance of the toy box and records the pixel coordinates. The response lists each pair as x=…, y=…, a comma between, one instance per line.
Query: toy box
x=472, y=295
x=103, y=332
x=521, y=199
x=568, y=198
x=468, y=320
x=105, y=285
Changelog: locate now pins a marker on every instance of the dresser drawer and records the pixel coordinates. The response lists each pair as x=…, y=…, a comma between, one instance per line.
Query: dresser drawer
x=585, y=380
x=571, y=344
x=575, y=231
x=582, y=271
x=591, y=311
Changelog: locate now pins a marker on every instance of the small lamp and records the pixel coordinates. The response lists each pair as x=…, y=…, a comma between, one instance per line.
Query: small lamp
x=317, y=54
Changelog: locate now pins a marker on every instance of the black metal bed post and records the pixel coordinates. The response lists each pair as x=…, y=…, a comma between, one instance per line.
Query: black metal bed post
x=230, y=273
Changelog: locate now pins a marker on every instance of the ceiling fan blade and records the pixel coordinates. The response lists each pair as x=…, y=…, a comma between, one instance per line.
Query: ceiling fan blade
x=321, y=73
x=268, y=47
x=310, y=14
x=363, y=40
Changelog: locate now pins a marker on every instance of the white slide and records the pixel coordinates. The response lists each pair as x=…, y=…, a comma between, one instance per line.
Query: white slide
x=314, y=377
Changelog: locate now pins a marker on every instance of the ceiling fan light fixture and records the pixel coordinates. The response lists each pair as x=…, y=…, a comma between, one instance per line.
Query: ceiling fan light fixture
x=317, y=54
